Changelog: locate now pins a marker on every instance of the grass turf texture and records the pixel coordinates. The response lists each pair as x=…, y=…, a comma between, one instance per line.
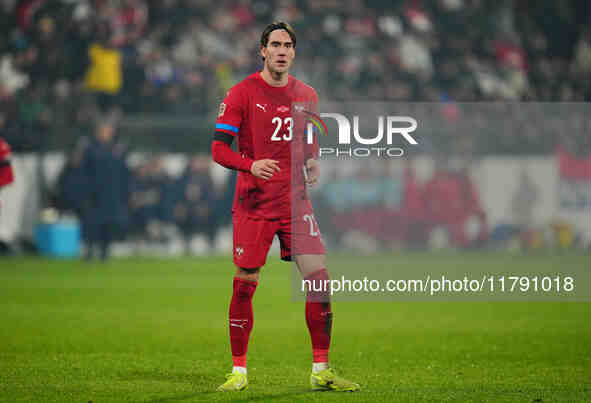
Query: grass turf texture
x=148, y=330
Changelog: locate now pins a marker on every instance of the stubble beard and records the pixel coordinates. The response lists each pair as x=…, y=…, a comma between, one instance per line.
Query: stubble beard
x=276, y=74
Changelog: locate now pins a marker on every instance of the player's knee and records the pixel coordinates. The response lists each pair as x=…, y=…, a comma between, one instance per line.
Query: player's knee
x=318, y=286
x=310, y=264
x=248, y=274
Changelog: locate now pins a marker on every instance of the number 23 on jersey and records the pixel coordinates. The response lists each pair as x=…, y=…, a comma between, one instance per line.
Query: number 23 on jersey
x=283, y=129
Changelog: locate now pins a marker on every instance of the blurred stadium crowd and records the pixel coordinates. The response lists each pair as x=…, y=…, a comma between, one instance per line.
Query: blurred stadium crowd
x=72, y=72
x=365, y=205
x=370, y=205
x=63, y=62
x=114, y=202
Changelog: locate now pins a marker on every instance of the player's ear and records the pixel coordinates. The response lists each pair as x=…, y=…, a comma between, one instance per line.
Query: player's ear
x=263, y=51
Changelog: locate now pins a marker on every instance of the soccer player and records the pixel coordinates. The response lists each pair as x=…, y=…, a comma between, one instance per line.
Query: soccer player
x=6, y=174
x=258, y=112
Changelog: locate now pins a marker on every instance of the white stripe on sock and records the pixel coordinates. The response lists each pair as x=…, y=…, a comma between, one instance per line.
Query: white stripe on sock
x=240, y=370
x=319, y=366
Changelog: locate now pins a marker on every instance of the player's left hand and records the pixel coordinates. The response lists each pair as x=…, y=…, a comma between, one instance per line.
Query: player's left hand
x=313, y=171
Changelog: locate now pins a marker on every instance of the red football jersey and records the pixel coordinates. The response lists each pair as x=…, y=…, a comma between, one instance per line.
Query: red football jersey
x=260, y=116
x=6, y=175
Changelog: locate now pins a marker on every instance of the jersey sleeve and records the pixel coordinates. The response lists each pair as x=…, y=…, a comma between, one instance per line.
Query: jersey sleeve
x=230, y=115
x=228, y=124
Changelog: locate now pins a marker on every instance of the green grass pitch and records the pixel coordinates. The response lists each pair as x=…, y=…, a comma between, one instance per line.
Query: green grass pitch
x=151, y=330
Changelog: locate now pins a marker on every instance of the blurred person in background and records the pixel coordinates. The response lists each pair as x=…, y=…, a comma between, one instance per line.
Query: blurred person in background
x=6, y=178
x=331, y=200
x=402, y=214
x=50, y=61
x=149, y=192
x=365, y=216
x=129, y=22
x=194, y=210
x=141, y=199
x=104, y=75
x=452, y=204
x=72, y=183
x=6, y=173
x=573, y=158
x=10, y=129
x=105, y=212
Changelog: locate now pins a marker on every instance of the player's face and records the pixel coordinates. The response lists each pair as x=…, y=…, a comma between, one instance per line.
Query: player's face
x=279, y=52
x=105, y=133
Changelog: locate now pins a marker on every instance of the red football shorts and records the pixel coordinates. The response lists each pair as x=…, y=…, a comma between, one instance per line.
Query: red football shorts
x=253, y=236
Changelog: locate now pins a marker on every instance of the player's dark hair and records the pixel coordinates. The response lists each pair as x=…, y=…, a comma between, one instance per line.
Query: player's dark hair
x=274, y=26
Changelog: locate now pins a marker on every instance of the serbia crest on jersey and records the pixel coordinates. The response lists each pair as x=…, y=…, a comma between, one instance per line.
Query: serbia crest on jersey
x=261, y=118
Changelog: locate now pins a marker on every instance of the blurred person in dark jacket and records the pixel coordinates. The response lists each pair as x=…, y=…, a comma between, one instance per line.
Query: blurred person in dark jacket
x=148, y=197
x=105, y=211
x=194, y=208
x=72, y=183
x=140, y=199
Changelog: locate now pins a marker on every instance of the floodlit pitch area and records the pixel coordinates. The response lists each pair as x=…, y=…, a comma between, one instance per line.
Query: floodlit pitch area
x=149, y=330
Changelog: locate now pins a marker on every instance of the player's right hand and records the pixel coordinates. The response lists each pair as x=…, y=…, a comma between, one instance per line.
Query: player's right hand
x=264, y=169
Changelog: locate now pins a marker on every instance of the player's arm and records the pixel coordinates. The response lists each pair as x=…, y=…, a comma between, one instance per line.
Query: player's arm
x=227, y=127
x=225, y=156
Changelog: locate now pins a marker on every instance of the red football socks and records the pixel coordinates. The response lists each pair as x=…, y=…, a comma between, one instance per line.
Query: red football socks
x=241, y=319
x=318, y=315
